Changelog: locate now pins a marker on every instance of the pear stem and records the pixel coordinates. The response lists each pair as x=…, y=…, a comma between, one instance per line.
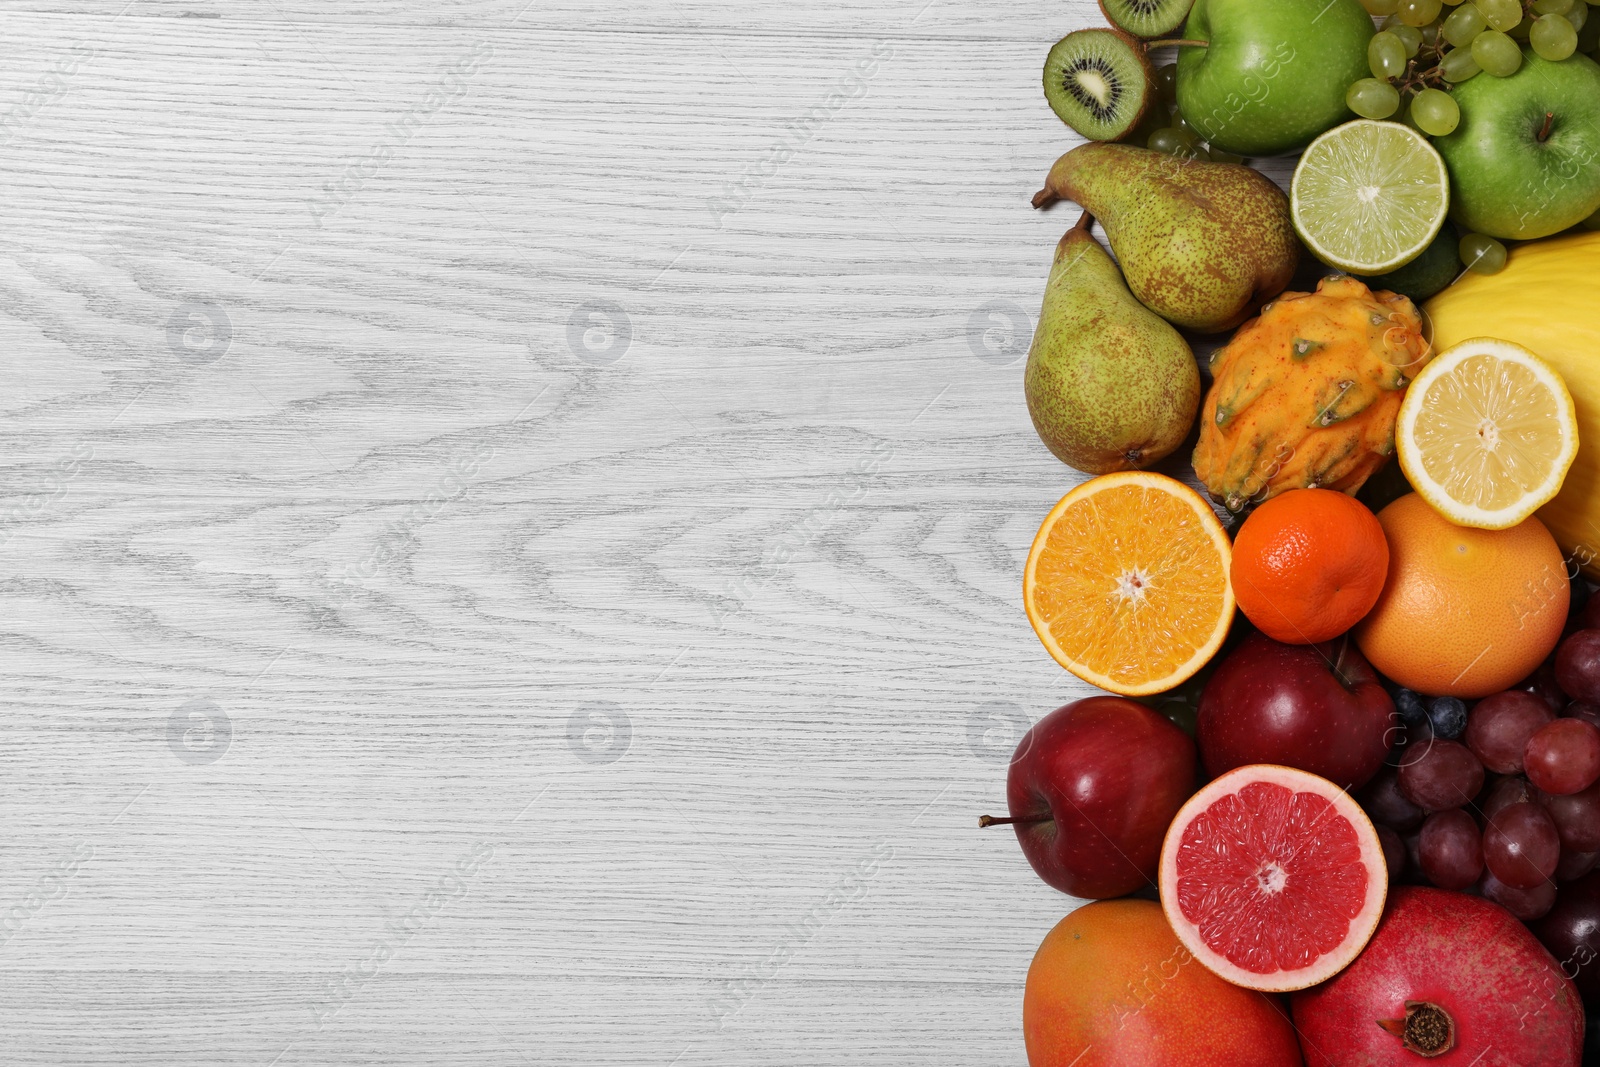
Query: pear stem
x=1544, y=131
x=990, y=820
x=1085, y=221
x=1177, y=44
x=1045, y=197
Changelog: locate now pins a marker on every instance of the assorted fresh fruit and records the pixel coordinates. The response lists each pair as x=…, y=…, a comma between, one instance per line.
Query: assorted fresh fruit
x=1376, y=786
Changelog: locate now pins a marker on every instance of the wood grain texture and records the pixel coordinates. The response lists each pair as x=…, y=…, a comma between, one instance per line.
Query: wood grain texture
x=511, y=530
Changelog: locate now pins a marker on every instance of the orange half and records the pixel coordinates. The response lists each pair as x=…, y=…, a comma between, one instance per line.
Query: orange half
x=1127, y=582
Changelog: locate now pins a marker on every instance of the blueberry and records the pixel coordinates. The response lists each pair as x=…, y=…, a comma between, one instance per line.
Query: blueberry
x=1413, y=712
x=1449, y=717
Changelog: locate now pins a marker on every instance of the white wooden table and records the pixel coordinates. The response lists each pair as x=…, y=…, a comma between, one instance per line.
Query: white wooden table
x=512, y=527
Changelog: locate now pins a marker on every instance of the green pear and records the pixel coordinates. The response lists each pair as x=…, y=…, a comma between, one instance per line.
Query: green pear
x=1202, y=244
x=1110, y=385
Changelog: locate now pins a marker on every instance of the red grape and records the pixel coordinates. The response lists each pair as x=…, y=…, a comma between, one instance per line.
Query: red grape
x=1385, y=804
x=1499, y=727
x=1563, y=757
x=1525, y=904
x=1577, y=818
x=1521, y=846
x=1589, y=616
x=1394, y=853
x=1542, y=683
x=1575, y=865
x=1441, y=776
x=1579, y=709
x=1451, y=849
x=1504, y=793
x=1578, y=666
x=1572, y=934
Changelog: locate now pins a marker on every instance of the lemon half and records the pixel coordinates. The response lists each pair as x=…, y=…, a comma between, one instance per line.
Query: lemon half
x=1486, y=433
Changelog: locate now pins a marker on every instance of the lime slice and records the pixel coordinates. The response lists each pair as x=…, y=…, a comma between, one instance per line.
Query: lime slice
x=1368, y=196
x=1486, y=433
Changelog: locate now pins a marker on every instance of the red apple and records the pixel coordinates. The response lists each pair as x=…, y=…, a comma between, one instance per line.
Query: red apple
x=1092, y=789
x=1319, y=708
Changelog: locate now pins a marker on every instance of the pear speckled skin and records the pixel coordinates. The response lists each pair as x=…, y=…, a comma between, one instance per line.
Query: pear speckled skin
x=1110, y=385
x=1202, y=244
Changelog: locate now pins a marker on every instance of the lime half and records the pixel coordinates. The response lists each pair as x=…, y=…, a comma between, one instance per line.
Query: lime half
x=1367, y=197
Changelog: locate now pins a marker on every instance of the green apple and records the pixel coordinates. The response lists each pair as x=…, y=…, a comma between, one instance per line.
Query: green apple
x=1525, y=160
x=1273, y=73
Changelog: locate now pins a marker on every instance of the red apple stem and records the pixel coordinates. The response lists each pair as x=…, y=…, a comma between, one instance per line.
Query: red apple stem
x=1544, y=131
x=990, y=820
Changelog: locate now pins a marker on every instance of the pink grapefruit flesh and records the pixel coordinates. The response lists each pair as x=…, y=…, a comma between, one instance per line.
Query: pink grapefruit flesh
x=1273, y=878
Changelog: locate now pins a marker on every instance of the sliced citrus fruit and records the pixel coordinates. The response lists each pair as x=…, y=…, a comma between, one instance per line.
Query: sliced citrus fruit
x=1273, y=877
x=1368, y=197
x=1486, y=433
x=1127, y=582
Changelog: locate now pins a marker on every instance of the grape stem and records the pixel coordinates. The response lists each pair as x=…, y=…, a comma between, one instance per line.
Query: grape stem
x=1544, y=131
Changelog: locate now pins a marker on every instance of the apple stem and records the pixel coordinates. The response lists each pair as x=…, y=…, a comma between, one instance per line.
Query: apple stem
x=1544, y=131
x=990, y=820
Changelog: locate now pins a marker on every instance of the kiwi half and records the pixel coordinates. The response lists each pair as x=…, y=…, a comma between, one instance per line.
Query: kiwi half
x=1099, y=82
x=1147, y=18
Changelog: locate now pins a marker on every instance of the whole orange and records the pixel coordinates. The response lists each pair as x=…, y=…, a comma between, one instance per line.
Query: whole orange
x=1308, y=564
x=1464, y=612
x=1111, y=986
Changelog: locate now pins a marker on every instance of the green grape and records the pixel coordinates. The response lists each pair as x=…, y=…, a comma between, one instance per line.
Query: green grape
x=1418, y=12
x=1430, y=35
x=1578, y=15
x=1172, y=141
x=1458, y=65
x=1372, y=99
x=1410, y=36
x=1386, y=55
x=1435, y=112
x=1481, y=254
x=1588, y=33
x=1181, y=123
x=1380, y=8
x=1519, y=32
x=1496, y=53
x=1553, y=38
x=1500, y=14
x=1551, y=7
x=1464, y=23
x=1198, y=152
x=1167, y=81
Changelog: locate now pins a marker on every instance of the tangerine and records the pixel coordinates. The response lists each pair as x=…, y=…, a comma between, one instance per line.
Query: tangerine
x=1308, y=564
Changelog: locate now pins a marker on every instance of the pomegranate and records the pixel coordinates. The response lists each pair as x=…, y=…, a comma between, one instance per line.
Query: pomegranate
x=1450, y=978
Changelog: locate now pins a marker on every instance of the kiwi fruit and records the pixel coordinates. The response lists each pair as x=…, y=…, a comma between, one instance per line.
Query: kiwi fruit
x=1147, y=18
x=1099, y=82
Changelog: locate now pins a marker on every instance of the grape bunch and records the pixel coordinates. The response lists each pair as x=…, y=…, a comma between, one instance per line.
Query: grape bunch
x=1502, y=798
x=1419, y=52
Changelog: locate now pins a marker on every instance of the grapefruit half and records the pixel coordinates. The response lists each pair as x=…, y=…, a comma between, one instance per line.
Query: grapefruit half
x=1273, y=878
